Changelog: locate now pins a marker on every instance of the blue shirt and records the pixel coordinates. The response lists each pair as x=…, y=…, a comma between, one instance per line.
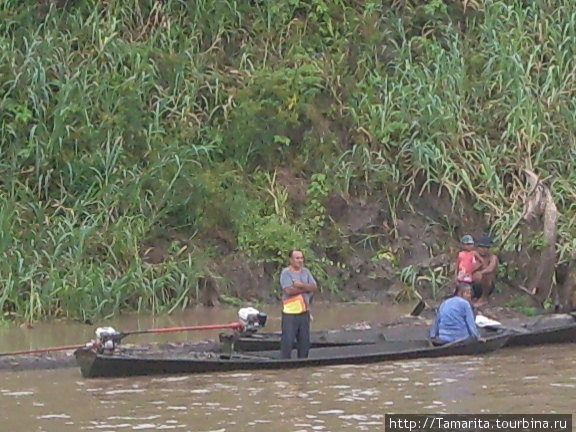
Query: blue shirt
x=454, y=321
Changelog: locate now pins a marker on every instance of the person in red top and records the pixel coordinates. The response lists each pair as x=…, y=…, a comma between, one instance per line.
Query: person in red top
x=468, y=260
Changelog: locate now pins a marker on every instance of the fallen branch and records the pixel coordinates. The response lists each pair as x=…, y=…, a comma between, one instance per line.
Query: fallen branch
x=537, y=302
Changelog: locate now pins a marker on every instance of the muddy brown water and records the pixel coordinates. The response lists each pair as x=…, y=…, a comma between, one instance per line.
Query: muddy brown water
x=342, y=398
x=53, y=334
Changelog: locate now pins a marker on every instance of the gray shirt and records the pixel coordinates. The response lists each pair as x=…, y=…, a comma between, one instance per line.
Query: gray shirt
x=287, y=278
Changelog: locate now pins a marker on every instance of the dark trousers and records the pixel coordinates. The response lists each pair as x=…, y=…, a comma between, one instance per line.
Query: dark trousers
x=295, y=328
x=477, y=290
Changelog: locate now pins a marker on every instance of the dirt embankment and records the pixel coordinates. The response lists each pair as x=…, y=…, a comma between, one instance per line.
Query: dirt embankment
x=377, y=253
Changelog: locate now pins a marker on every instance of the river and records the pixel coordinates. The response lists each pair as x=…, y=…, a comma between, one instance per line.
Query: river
x=343, y=398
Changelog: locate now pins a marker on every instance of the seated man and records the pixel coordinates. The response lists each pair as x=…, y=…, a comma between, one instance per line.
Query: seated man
x=455, y=318
x=484, y=276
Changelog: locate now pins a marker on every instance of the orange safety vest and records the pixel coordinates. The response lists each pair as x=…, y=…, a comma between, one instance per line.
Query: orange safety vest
x=294, y=305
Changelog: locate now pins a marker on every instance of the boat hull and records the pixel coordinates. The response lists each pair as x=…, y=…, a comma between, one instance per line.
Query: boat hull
x=553, y=330
x=94, y=365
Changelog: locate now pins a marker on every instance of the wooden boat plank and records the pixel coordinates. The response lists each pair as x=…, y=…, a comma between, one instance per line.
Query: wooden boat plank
x=333, y=338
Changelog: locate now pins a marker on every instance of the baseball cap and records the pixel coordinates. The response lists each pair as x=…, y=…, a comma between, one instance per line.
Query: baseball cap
x=485, y=241
x=467, y=239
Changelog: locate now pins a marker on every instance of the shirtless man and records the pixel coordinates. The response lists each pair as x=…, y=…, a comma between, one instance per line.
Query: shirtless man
x=484, y=277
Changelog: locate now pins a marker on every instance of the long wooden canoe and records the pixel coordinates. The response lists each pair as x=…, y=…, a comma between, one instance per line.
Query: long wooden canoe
x=545, y=329
x=93, y=364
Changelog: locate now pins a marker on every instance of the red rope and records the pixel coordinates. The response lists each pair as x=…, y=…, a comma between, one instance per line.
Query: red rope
x=235, y=326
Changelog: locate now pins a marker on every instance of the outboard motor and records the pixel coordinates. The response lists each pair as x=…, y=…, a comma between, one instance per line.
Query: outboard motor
x=252, y=319
x=107, y=339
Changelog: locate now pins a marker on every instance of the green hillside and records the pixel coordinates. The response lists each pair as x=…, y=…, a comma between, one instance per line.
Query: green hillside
x=144, y=142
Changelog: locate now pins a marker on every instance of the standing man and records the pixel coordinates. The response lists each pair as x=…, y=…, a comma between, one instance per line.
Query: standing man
x=455, y=319
x=297, y=284
x=484, y=276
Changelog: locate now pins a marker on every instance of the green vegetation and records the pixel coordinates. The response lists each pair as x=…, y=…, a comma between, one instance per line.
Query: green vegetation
x=522, y=304
x=129, y=124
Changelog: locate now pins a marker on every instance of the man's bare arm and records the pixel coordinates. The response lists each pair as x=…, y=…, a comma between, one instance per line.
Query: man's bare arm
x=300, y=288
x=492, y=265
x=292, y=290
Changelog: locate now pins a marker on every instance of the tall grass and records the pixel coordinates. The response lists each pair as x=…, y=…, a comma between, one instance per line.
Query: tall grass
x=122, y=122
